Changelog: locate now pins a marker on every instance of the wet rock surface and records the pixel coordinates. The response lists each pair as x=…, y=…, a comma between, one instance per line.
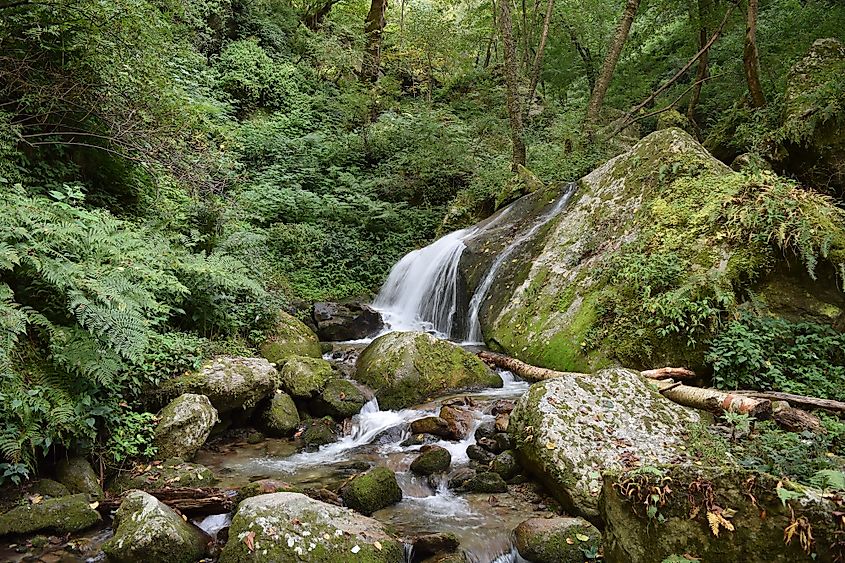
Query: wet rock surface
x=432, y=459
x=280, y=418
x=339, y=399
x=60, y=515
x=557, y=540
x=346, y=321
x=371, y=491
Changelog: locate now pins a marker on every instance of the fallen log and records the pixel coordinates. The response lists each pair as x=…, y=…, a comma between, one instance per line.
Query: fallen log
x=523, y=370
x=795, y=420
x=200, y=501
x=668, y=373
x=713, y=400
x=799, y=400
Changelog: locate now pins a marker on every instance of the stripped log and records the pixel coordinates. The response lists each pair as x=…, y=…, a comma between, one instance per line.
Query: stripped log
x=796, y=400
x=714, y=400
x=795, y=420
x=668, y=373
x=523, y=370
x=188, y=500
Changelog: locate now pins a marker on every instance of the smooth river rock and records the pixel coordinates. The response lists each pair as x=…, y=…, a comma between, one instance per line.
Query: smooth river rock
x=184, y=425
x=290, y=337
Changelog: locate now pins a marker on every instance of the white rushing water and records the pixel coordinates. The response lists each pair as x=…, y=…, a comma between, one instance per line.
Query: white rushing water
x=473, y=323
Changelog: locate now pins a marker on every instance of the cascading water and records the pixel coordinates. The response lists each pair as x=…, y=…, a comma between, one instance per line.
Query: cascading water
x=473, y=323
x=421, y=291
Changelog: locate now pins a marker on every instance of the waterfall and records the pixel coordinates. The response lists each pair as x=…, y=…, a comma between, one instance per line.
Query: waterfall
x=421, y=291
x=473, y=323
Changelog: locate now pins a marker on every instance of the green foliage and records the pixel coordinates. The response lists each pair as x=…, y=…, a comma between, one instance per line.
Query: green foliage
x=131, y=437
x=769, y=353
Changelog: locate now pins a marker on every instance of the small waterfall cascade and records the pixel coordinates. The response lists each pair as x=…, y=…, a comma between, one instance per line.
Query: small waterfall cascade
x=421, y=291
x=473, y=323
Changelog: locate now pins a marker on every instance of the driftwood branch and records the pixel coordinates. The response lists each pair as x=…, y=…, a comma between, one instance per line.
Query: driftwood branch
x=194, y=501
x=668, y=373
x=523, y=370
x=714, y=400
x=796, y=400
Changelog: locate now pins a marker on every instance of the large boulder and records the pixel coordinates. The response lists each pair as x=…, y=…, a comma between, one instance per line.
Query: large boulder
x=174, y=472
x=432, y=459
x=569, y=429
x=230, y=383
x=719, y=514
x=814, y=146
x=303, y=377
x=622, y=270
x=290, y=337
x=346, y=321
x=371, y=491
x=184, y=426
x=339, y=399
x=59, y=515
x=281, y=417
x=148, y=530
x=557, y=540
x=405, y=368
x=78, y=476
x=293, y=527
x=318, y=432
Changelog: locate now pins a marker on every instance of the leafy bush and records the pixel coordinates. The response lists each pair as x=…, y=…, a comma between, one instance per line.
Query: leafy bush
x=769, y=353
x=131, y=437
x=796, y=456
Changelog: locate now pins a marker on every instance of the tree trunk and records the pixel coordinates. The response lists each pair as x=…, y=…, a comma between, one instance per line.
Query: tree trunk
x=512, y=82
x=704, y=9
x=609, y=66
x=668, y=373
x=538, y=60
x=523, y=370
x=801, y=400
x=314, y=20
x=586, y=57
x=751, y=58
x=715, y=401
x=373, y=28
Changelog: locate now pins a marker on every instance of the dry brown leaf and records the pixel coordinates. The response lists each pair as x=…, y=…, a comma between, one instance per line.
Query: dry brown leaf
x=249, y=540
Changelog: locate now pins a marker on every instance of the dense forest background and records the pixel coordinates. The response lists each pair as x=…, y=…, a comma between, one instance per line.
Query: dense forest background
x=172, y=172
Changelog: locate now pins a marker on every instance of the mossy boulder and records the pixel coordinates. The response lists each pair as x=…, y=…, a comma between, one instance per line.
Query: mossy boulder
x=679, y=522
x=556, y=540
x=148, y=530
x=59, y=515
x=304, y=377
x=280, y=418
x=231, y=383
x=78, y=476
x=569, y=429
x=486, y=482
x=293, y=527
x=506, y=465
x=290, y=337
x=433, y=425
x=318, y=432
x=49, y=488
x=674, y=118
x=814, y=146
x=174, y=472
x=432, y=459
x=184, y=425
x=371, y=491
x=339, y=399
x=405, y=368
x=265, y=487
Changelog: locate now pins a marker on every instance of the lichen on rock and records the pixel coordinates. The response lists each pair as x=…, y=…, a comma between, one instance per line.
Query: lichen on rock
x=184, y=425
x=60, y=515
x=304, y=377
x=290, y=337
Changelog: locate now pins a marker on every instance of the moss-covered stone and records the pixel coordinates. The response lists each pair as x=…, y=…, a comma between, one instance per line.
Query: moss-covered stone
x=265, y=487
x=304, y=377
x=674, y=118
x=486, y=482
x=174, y=472
x=340, y=399
x=318, y=432
x=78, y=476
x=505, y=464
x=280, y=418
x=371, y=491
x=60, y=515
x=293, y=527
x=405, y=368
x=148, y=530
x=290, y=337
x=433, y=425
x=432, y=459
x=230, y=383
x=49, y=488
x=556, y=540
x=184, y=425
x=567, y=430
x=747, y=500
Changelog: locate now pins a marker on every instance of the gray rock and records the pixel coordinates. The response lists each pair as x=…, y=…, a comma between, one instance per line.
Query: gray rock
x=184, y=425
x=339, y=399
x=556, y=540
x=506, y=465
x=346, y=321
x=230, y=383
x=78, y=476
x=478, y=453
x=293, y=527
x=60, y=515
x=318, y=432
x=148, y=530
x=304, y=377
x=487, y=482
x=49, y=488
x=569, y=429
x=280, y=418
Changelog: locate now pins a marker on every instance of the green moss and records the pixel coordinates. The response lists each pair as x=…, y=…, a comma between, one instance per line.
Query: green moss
x=290, y=337
x=170, y=473
x=340, y=399
x=432, y=459
x=78, y=476
x=59, y=515
x=304, y=377
x=372, y=491
x=281, y=417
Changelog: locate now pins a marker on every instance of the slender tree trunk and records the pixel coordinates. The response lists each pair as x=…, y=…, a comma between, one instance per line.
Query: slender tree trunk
x=512, y=83
x=586, y=57
x=491, y=44
x=609, y=66
x=314, y=20
x=402, y=24
x=538, y=59
x=430, y=76
x=704, y=9
x=751, y=58
x=373, y=28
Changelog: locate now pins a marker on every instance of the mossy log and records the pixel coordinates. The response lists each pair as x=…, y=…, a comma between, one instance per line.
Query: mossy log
x=189, y=500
